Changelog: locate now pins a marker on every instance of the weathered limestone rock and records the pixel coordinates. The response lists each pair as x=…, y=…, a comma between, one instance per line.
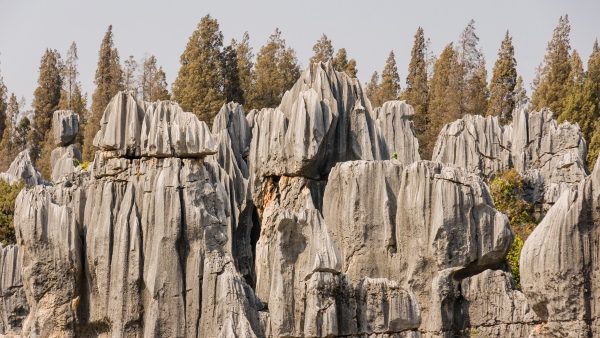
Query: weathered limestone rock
x=22, y=168
x=397, y=131
x=324, y=119
x=492, y=307
x=480, y=144
x=48, y=231
x=63, y=161
x=426, y=226
x=13, y=306
x=558, y=151
x=160, y=129
x=559, y=263
x=66, y=126
x=288, y=222
x=550, y=156
x=64, y=158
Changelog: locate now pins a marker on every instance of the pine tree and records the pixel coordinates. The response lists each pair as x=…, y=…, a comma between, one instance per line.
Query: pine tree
x=160, y=89
x=3, y=105
x=71, y=96
x=551, y=87
x=390, y=80
x=323, y=50
x=109, y=81
x=373, y=89
x=8, y=150
x=520, y=94
x=199, y=84
x=341, y=64
x=276, y=70
x=129, y=74
x=583, y=101
x=232, y=89
x=417, y=85
x=46, y=99
x=244, y=58
x=504, y=80
x=444, y=104
x=473, y=84
x=152, y=81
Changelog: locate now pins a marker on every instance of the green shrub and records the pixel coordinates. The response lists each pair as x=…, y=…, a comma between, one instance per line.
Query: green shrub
x=8, y=195
x=83, y=165
x=513, y=259
x=507, y=192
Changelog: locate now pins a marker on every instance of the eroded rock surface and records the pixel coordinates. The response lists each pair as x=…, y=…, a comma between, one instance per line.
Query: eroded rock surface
x=559, y=263
x=65, y=124
x=313, y=219
x=550, y=156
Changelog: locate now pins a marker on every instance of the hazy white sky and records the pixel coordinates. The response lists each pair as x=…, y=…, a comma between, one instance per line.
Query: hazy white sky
x=367, y=29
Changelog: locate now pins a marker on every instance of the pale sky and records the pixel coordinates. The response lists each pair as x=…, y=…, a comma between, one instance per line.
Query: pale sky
x=367, y=29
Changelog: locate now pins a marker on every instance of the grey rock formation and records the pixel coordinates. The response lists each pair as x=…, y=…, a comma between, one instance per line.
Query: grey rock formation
x=396, y=128
x=66, y=156
x=287, y=222
x=63, y=161
x=13, y=305
x=324, y=119
x=551, y=157
x=403, y=224
x=559, y=262
x=160, y=129
x=22, y=169
x=66, y=126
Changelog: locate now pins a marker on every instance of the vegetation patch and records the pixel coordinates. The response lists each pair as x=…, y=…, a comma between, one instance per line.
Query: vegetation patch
x=507, y=192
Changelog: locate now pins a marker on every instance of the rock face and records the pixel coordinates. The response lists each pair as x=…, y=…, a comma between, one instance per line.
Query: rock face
x=550, y=156
x=559, y=263
x=66, y=156
x=159, y=129
x=313, y=219
x=13, y=308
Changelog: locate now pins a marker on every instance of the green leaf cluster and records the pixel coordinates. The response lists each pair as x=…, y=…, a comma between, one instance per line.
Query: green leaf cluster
x=8, y=196
x=506, y=190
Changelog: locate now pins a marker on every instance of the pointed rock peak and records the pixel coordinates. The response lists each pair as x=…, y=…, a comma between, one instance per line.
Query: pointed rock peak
x=22, y=168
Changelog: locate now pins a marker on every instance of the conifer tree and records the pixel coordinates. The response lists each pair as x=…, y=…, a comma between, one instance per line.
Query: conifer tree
x=46, y=99
x=108, y=81
x=276, y=70
x=417, y=85
x=160, y=89
x=8, y=150
x=199, y=83
x=244, y=58
x=583, y=101
x=129, y=74
x=152, y=81
x=323, y=50
x=341, y=64
x=3, y=105
x=71, y=97
x=551, y=85
x=520, y=94
x=473, y=84
x=390, y=80
x=444, y=104
x=232, y=89
x=373, y=90
x=504, y=80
